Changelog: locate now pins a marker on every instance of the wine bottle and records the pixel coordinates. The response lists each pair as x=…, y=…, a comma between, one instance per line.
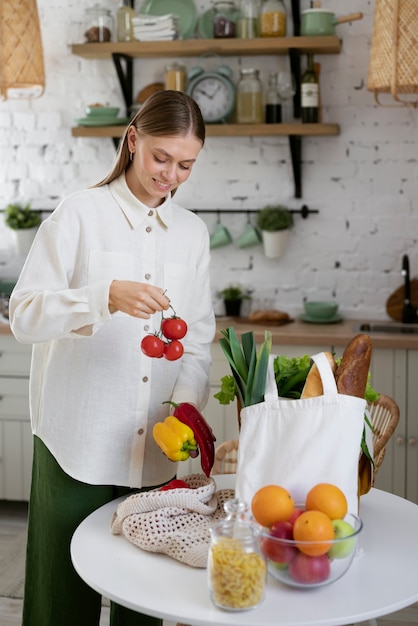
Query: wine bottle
x=273, y=102
x=309, y=93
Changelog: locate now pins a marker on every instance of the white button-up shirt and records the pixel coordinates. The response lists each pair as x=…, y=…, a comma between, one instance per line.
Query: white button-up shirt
x=94, y=396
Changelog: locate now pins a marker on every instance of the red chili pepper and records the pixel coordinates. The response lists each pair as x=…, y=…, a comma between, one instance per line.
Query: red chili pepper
x=188, y=414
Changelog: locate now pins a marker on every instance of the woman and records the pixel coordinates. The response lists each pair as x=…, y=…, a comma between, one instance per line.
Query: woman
x=102, y=271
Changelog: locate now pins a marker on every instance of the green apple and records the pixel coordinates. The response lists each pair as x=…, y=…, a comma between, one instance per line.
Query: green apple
x=342, y=549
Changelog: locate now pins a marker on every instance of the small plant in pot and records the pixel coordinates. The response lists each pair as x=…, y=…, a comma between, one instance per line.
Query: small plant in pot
x=24, y=221
x=274, y=223
x=233, y=296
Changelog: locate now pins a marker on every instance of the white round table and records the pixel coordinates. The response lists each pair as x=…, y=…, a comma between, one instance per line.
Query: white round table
x=382, y=579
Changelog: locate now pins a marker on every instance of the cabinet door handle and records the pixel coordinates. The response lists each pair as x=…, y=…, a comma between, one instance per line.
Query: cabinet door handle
x=412, y=441
x=400, y=440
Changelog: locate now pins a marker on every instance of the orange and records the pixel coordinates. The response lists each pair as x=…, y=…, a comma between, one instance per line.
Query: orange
x=270, y=504
x=327, y=498
x=316, y=527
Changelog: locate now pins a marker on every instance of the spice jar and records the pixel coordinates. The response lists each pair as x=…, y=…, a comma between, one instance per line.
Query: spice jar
x=224, y=20
x=98, y=24
x=175, y=77
x=236, y=569
x=248, y=20
x=249, y=98
x=272, y=19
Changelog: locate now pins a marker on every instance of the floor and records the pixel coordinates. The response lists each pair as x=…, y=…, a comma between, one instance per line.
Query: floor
x=11, y=609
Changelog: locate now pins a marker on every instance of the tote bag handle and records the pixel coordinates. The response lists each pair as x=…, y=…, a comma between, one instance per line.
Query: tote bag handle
x=327, y=377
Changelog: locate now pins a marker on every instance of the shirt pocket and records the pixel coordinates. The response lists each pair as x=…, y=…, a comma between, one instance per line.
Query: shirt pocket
x=105, y=265
x=178, y=282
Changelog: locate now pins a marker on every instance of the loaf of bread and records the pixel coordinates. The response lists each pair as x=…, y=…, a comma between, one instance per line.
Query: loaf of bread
x=313, y=383
x=353, y=370
x=147, y=91
x=268, y=315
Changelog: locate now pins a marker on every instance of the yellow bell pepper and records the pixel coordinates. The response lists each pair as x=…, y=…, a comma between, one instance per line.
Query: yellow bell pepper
x=175, y=439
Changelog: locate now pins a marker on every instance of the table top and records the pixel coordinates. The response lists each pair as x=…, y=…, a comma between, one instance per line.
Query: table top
x=382, y=578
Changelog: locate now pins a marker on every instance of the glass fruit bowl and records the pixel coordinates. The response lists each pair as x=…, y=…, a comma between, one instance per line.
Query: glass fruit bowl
x=307, y=564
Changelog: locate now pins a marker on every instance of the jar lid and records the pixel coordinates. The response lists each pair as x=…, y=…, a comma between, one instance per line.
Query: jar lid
x=249, y=70
x=96, y=9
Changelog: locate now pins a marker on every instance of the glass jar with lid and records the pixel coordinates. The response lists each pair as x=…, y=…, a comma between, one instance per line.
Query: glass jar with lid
x=249, y=106
x=235, y=558
x=98, y=24
x=248, y=19
x=272, y=19
x=225, y=19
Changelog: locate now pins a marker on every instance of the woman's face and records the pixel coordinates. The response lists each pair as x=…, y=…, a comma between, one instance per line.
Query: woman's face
x=160, y=164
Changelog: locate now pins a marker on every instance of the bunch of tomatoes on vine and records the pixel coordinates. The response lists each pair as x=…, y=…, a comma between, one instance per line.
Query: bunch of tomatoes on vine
x=166, y=342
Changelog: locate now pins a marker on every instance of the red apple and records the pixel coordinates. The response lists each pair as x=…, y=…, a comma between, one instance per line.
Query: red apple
x=276, y=550
x=309, y=569
x=295, y=514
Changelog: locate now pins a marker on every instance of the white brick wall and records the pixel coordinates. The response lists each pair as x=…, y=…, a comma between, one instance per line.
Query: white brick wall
x=364, y=182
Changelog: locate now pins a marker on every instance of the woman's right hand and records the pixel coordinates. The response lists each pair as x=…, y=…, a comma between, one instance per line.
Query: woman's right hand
x=136, y=299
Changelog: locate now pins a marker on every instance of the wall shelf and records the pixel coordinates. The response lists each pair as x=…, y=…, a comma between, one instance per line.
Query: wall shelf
x=123, y=53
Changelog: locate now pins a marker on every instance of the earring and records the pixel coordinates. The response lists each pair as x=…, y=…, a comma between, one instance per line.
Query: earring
x=131, y=156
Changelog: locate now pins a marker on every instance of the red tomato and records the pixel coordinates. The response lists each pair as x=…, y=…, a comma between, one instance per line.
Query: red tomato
x=174, y=327
x=173, y=350
x=175, y=484
x=153, y=346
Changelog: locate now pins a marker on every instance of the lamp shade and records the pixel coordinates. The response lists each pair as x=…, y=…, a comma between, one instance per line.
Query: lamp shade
x=393, y=64
x=21, y=57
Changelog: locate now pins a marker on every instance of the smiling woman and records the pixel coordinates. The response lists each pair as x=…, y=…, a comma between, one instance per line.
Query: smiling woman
x=98, y=277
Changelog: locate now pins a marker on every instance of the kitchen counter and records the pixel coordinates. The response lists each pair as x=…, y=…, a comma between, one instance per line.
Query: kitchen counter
x=302, y=333
x=299, y=333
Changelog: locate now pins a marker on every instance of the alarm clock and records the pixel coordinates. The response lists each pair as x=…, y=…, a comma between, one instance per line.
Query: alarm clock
x=214, y=92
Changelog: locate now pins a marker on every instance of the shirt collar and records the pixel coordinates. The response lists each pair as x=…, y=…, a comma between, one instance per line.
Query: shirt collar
x=134, y=210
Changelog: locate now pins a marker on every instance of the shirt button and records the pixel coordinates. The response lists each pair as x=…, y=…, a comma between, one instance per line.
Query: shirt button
x=146, y=328
x=148, y=229
x=147, y=276
x=150, y=213
x=145, y=379
x=141, y=431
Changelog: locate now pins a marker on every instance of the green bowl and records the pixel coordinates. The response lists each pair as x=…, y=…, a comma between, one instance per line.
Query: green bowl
x=102, y=111
x=321, y=310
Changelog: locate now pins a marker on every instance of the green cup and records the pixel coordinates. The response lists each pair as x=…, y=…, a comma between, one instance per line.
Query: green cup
x=220, y=237
x=250, y=237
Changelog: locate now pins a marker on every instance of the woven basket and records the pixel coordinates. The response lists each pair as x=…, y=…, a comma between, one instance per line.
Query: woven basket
x=393, y=64
x=21, y=58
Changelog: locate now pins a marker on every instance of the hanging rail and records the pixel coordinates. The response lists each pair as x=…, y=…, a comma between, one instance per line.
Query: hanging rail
x=304, y=211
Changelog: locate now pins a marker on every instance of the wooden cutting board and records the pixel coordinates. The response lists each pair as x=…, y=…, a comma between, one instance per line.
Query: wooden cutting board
x=394, y=303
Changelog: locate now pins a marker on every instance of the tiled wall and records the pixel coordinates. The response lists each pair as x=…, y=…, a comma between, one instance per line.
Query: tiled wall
x=363, y=182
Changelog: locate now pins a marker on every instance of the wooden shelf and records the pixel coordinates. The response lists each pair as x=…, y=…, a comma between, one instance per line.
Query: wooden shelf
x=227, y=130
x=197, y=47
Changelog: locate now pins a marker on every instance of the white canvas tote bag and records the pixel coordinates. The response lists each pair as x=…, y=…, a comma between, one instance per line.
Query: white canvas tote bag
x=299, y=443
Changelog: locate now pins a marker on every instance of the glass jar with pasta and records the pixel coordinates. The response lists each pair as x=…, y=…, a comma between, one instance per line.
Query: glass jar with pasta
x=236, y=568
x=272, y=20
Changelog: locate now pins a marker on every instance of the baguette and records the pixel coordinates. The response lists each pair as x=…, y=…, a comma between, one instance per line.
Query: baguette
x=268, y=315
x=313, y=383
x=353, y=370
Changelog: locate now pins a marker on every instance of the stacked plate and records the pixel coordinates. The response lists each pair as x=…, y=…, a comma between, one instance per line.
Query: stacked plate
x=184, y=13
x=98, y=115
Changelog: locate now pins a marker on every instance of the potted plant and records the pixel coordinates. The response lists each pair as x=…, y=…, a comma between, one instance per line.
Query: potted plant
x=24, y=221
x=274, y=223
x=233, y=295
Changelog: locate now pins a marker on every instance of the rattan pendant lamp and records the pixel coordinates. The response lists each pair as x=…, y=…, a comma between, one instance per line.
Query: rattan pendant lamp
x=393, y=64
x=21, y=57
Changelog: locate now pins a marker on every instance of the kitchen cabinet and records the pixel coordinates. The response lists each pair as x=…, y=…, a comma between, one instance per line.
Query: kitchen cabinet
x=123, y=54
x=15, y=430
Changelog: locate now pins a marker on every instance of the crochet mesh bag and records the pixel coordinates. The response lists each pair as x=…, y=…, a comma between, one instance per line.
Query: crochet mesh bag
x=174, y=522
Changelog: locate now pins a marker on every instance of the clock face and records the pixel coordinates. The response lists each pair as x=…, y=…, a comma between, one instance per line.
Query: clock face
x=215, y=97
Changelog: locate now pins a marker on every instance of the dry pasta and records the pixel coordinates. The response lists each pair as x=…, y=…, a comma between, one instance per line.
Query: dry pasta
x=236, y=576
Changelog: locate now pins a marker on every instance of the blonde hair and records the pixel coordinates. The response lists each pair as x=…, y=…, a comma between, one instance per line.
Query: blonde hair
x=165, y=113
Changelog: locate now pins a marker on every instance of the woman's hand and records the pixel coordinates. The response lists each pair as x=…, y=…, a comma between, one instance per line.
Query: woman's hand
x=136, y=299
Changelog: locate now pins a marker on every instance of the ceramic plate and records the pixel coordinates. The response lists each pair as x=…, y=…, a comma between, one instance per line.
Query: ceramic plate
x=314, y=320
x=205, y=24
x=185, y=9
x=102, y=121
